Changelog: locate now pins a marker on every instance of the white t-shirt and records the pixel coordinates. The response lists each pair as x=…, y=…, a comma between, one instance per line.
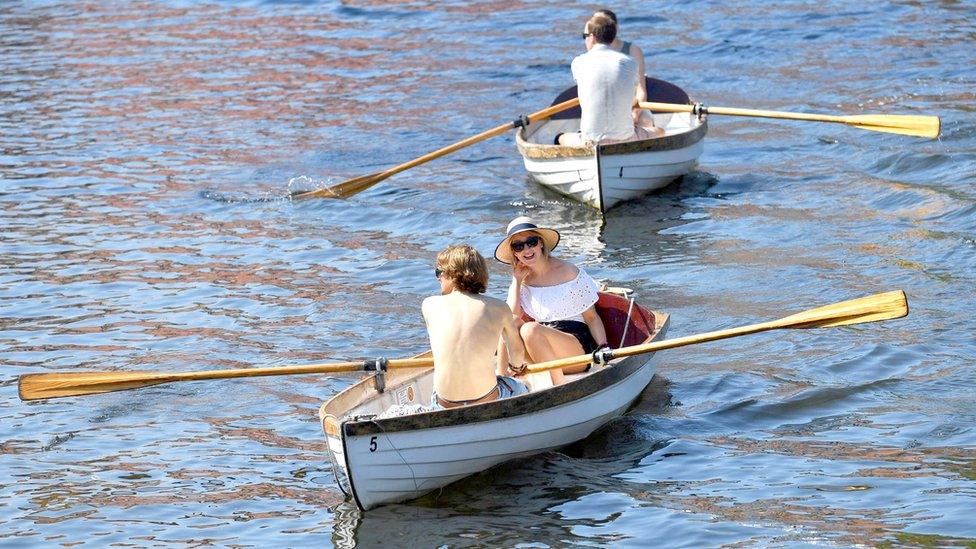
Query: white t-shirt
x=565, y=301
x=606, y=80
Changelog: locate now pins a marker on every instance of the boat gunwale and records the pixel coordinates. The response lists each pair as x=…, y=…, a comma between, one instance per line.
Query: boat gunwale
x=543, y=151
x=513, y=406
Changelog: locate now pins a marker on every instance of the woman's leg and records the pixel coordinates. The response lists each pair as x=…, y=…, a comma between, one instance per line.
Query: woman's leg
x=544, y=343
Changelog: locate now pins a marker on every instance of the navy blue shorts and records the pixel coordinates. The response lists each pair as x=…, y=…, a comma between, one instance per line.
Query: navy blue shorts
x=577, y=329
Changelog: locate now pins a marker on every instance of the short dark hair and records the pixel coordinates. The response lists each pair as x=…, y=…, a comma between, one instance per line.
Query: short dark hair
x=603, y=29
x=465, y=266
x=609, y=14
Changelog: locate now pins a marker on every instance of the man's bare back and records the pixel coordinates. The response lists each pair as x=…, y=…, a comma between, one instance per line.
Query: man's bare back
x=464, y=329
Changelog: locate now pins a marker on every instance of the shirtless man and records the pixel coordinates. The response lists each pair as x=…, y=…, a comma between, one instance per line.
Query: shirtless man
x=464, y=329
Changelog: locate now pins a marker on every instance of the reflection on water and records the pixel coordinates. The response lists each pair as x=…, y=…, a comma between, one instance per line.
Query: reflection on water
x=147, y=152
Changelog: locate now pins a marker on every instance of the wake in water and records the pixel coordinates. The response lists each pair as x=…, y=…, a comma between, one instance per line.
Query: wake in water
x=296, y=185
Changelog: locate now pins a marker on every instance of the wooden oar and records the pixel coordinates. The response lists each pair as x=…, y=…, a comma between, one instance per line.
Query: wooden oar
x=917, y=125
x=873, y=308
x=357, y=184
x=53, y=385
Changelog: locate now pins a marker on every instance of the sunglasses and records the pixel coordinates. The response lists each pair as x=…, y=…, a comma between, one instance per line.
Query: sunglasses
x=585, y=34
x=530, y=242
x=437, y=272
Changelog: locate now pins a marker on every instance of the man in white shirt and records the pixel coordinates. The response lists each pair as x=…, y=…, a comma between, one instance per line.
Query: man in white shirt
x=606, y=81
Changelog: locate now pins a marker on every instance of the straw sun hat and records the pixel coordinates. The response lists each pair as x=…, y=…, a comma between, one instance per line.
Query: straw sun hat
x=522, y=224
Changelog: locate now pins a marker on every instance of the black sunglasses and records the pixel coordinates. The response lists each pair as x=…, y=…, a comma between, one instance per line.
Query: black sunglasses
x=585, y=34
x=437, y=272
x=531, y=242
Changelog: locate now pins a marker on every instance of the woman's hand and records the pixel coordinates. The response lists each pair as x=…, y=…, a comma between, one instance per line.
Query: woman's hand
x=520, y=271
x=517, y=370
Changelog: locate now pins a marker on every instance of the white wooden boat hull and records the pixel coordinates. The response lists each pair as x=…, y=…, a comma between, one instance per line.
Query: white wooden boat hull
x=406, y=466
x=391, y=460
x=602, y=176
x=612, y=179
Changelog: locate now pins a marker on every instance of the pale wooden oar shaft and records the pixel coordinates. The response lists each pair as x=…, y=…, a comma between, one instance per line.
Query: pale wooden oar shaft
x=355, y=185
x=916, y=125
x=37, y=386
x=540, y=115
x=883, y=306
x=656, y=346
x=670, y=107
x=873, y=308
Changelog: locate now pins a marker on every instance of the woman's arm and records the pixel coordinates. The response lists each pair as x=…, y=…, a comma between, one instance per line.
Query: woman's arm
x=640, y=94
x=519, y=273
x=641, y=83
x=595, y=324
x=502, y=351
x=511, y=349
x=513, y=297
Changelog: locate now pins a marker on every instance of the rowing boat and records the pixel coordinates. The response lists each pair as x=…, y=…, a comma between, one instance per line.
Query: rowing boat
x=379, y=460
x=604, y=175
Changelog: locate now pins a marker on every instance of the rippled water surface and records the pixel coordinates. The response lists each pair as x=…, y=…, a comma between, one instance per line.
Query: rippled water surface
x=145, y=152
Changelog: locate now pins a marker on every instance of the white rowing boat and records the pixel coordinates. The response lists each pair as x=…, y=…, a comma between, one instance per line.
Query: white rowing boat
x=394, y=459
x=605, y=175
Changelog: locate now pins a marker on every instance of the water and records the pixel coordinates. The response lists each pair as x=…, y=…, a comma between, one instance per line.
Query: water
x=147, y=148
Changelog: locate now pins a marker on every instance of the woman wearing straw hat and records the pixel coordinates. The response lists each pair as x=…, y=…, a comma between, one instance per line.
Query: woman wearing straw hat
x=559, y=296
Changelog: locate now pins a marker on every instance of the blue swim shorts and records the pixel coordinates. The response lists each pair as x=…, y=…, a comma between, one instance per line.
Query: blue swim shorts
x=507, y=387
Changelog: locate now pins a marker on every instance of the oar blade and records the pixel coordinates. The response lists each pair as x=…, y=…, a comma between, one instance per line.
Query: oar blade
x=915, y=125
x=343, y=190
x=41, y=386
x=356, y=185
x=325, y=192
x=873, y=308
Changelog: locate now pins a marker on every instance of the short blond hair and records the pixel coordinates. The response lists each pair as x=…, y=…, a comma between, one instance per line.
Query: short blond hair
x=465, y=266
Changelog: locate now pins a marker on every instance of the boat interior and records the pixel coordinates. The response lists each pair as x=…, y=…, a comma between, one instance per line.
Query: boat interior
x=404, y=391
x=544, y=132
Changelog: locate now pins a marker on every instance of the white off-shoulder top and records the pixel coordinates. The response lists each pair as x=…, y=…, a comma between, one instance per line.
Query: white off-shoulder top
x=565, y=301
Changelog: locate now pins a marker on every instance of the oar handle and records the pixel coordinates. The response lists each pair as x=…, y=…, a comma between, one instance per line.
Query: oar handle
x=554, y=109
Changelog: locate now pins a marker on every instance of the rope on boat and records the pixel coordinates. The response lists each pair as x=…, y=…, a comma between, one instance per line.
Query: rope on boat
x=413, y=475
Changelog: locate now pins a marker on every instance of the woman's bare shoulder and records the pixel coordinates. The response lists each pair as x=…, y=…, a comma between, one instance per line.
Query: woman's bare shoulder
x=567, y=270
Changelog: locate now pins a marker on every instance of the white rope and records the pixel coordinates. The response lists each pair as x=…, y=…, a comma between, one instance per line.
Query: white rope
x=626, y=323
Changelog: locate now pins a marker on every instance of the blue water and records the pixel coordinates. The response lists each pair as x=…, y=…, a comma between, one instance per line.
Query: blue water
x=145, y=152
